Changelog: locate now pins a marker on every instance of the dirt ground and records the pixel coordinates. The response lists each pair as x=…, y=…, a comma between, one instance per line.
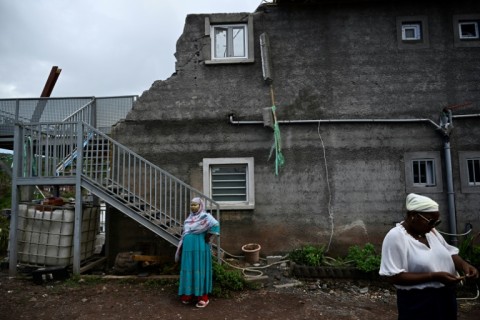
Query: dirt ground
x=279, y=297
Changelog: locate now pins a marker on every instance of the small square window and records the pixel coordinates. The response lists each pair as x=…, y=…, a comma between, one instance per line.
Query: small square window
x=465, y=30
x=231, y=39
x=470, y=171
x=468, y=30
x=423, y=172
x=411, y=32
x=230, y=182
x=473, y=168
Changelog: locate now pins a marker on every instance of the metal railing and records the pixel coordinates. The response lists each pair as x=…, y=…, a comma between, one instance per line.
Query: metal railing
x=100, y=112
x=120, y=177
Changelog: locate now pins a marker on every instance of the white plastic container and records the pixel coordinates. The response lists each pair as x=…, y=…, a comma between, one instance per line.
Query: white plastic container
x=46, y=237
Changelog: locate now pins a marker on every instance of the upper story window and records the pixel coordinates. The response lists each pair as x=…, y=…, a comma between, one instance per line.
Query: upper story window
x=231, y=38
x=229, y=41
x=412, y=32
x=470, y=171
x=230, y=182
x=423, y=172
x=466, y=30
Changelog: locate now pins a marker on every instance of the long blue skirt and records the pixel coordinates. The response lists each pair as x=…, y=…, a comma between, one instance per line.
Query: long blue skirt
x=196, y=266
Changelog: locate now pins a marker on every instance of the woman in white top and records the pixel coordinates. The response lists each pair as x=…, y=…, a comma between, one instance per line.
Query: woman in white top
x=422, y=265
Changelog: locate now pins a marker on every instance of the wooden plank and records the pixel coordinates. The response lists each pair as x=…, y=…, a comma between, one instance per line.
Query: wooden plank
x=138, y=257
x=112, y=277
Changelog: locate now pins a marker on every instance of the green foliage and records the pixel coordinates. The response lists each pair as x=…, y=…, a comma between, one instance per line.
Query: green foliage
x=364, y=259
x=5, y=183
x=335, y=262
x=470, y=251
x=226, y=280
x=309, y=255
x=4, y=234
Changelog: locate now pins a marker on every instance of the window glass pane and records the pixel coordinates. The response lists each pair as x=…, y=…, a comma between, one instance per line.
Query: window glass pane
x=473, y=166
x=229, y=41
x=468, y=30
x=416, y=173
x=229, y=182
x=409, y=33
x=238, y=41
x=220, y=38
x=424, y=172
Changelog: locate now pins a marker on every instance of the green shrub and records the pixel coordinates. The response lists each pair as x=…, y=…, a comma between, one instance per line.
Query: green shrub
x=226, y=280
x=364, y=259
x=469, y=251
x=309, y=255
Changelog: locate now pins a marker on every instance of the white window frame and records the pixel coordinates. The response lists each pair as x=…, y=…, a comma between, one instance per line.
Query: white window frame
x=468, y=37
x=427, y=165
x=249, y=204
x=433, y=182
x=225, y=21
x=462, y=40
x=467, y=185
x=420, y=26
x=230, y=41
x=415, y=27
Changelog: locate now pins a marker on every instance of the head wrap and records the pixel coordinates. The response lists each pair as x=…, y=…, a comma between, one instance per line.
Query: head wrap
x=200, y=202
x=416, y=202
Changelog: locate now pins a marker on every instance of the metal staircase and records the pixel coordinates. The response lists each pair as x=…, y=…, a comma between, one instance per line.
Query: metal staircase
x=73, y=152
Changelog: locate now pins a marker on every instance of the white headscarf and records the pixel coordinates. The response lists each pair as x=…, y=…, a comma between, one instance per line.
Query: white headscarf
x=420, y=203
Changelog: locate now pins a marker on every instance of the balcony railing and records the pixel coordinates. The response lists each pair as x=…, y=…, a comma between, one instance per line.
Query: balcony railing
x=100, y=112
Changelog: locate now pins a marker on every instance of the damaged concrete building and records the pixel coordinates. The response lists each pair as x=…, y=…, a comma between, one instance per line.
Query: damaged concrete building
x=371, y=100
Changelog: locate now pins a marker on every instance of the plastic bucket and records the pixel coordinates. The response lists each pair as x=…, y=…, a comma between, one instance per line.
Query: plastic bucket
x=251, y=252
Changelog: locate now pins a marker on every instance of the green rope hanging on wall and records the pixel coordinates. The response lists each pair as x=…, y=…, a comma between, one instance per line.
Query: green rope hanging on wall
x=277, y=145
x=267, y=76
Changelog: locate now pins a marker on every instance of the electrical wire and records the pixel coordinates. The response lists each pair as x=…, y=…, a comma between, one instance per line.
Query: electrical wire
x=455, y=234
x=473, y=298
x=252, y=269
x=330, y=213
x=459, y=235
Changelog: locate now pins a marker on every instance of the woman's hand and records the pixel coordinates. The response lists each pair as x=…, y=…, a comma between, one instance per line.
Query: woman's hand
x=470, y=271
x=446, y=278
x=462, y=265
x=207, y=237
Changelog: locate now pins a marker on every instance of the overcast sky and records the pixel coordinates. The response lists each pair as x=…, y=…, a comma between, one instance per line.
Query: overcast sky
x=104, y=47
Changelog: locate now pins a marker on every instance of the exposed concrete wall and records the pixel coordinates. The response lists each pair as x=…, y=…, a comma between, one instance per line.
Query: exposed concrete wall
x=329, y=62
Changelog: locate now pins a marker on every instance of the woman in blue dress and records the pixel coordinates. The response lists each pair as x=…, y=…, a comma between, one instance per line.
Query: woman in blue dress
x=195, y=255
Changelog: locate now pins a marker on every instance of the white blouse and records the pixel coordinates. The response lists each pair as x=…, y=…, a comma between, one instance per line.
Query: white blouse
x=403, y=253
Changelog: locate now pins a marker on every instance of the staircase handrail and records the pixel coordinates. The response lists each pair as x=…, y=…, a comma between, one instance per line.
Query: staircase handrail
x=154, y=193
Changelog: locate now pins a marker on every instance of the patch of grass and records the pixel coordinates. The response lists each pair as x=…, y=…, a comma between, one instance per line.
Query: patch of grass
x=79, y=280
